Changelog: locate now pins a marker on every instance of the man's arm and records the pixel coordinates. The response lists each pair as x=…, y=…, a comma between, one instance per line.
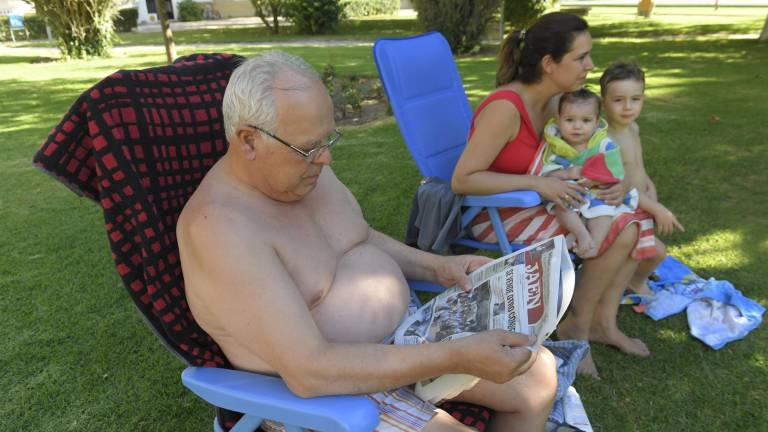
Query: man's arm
x=256, y=301
x=417, y=264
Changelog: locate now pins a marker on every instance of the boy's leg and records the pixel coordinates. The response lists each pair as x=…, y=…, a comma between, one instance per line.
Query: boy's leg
x=639, y=282
x=599, y=228
x=573, y=223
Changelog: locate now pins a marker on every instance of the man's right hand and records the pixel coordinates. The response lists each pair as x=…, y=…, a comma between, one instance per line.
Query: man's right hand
x=495, y=355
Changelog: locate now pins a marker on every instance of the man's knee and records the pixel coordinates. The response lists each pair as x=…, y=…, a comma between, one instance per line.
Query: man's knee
x=546, y=375
x=541, y=384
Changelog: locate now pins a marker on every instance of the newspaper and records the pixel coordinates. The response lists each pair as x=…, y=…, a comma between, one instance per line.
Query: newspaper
x=526, y=292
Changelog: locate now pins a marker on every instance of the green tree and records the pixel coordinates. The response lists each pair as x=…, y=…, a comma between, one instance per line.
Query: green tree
x=314, y=16
x=522, y=13
x=266, y=9
x=83, y=27
x=462, y=22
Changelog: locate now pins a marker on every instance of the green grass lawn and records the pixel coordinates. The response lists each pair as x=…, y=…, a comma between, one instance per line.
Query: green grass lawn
x=78, y=357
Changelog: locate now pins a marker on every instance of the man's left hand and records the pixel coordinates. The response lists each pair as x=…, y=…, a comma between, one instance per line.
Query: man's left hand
x=452, y=270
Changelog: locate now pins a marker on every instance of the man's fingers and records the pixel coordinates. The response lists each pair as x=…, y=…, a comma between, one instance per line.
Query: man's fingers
x=516, y=339
x=477, y=261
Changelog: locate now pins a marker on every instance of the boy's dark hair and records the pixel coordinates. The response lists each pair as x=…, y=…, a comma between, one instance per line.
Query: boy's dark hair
x=620, y=71
x=581, y=95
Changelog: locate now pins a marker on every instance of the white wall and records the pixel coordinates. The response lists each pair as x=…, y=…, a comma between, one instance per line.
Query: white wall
x=15, y=7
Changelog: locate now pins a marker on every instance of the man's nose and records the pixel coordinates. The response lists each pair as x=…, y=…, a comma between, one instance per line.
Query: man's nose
x=324, y=157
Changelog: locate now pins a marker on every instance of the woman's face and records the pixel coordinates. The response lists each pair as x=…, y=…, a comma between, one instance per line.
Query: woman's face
x=571, y=73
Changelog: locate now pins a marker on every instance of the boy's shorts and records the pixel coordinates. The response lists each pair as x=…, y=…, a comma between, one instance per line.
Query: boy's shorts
x=399, y=410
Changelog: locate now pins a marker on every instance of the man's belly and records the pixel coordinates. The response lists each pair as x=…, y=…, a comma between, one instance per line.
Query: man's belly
x=367, y=298
x=365, y=302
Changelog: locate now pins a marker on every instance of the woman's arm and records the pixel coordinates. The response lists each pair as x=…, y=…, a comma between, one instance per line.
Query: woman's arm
x=494, y=127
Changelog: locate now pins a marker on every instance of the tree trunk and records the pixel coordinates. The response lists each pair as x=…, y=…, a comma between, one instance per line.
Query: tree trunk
x=764, y=35
x=165, y=26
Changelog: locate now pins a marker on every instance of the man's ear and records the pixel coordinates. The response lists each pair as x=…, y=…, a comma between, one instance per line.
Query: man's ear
x=247, y=138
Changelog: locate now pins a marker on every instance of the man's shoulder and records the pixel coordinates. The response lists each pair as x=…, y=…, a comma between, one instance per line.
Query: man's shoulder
x=216, y=218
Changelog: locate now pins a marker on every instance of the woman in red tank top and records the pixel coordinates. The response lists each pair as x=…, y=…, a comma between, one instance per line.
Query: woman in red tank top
x=535, y=67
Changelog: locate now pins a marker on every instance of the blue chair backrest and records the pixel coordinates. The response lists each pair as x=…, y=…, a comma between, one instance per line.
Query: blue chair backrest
x=16, y=21
x=427, y=98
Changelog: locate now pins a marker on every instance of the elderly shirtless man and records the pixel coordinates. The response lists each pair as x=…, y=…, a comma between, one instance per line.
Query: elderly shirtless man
x=284, y=273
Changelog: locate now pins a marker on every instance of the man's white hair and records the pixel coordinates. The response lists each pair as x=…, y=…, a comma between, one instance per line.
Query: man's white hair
x=248, y=98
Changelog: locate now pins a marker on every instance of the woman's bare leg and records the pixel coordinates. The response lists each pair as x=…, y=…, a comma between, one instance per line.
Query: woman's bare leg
x=596, y=279
x=604, y=327
x=522, y=404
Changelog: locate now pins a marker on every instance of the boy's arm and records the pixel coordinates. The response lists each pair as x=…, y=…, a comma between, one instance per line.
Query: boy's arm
x=635, y=165
x=665, y=219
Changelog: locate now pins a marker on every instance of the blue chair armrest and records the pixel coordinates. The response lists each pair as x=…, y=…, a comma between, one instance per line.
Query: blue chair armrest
x=269, y=398
x=520, y=198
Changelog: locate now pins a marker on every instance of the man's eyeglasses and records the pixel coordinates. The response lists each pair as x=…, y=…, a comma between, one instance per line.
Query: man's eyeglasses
x=309, y=156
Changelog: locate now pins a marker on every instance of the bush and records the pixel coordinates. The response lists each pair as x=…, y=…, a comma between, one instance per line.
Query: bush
x=269, y=9
x=127, y=19
x=5, y=33
x=189, y=10
x=360, y=8
x=462, y=22
x=83, y=29
x=35, y=26
x=522, y=13
x=314, y=16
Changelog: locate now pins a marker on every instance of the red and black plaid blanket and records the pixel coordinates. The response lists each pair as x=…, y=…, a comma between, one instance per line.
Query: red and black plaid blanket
x=138, y=143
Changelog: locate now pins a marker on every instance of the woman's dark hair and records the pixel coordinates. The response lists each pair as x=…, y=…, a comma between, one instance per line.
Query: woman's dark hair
x=621, y=71
x=521, y=53
x=581, y=95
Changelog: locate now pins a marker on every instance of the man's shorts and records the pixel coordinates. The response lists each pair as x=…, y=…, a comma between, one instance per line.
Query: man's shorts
x=399, y=410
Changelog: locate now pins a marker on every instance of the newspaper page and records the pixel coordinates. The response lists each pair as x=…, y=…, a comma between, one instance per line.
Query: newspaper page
x=526, y=292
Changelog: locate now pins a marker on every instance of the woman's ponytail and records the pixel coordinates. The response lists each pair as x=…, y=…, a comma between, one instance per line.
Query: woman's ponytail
x=510, y=57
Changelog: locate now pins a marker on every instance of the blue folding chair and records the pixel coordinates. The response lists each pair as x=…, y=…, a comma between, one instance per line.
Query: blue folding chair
x=427, y=97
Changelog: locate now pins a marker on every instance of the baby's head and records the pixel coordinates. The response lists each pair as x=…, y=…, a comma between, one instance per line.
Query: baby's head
x=622, y=86
x=577, y=116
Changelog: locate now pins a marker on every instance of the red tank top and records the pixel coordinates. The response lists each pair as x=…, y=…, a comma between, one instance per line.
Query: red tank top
x=519, y=152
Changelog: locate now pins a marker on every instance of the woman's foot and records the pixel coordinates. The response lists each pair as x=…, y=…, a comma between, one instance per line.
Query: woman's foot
x=618, y=339
x=565, y=331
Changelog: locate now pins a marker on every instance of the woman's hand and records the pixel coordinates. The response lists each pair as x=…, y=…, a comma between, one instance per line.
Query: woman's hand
x=563, y=193
x=615, y=194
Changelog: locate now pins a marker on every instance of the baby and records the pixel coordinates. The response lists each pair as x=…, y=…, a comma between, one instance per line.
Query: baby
x=578, y=147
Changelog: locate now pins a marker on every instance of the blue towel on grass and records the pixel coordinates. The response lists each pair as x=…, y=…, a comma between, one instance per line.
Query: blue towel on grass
x=717, y=312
